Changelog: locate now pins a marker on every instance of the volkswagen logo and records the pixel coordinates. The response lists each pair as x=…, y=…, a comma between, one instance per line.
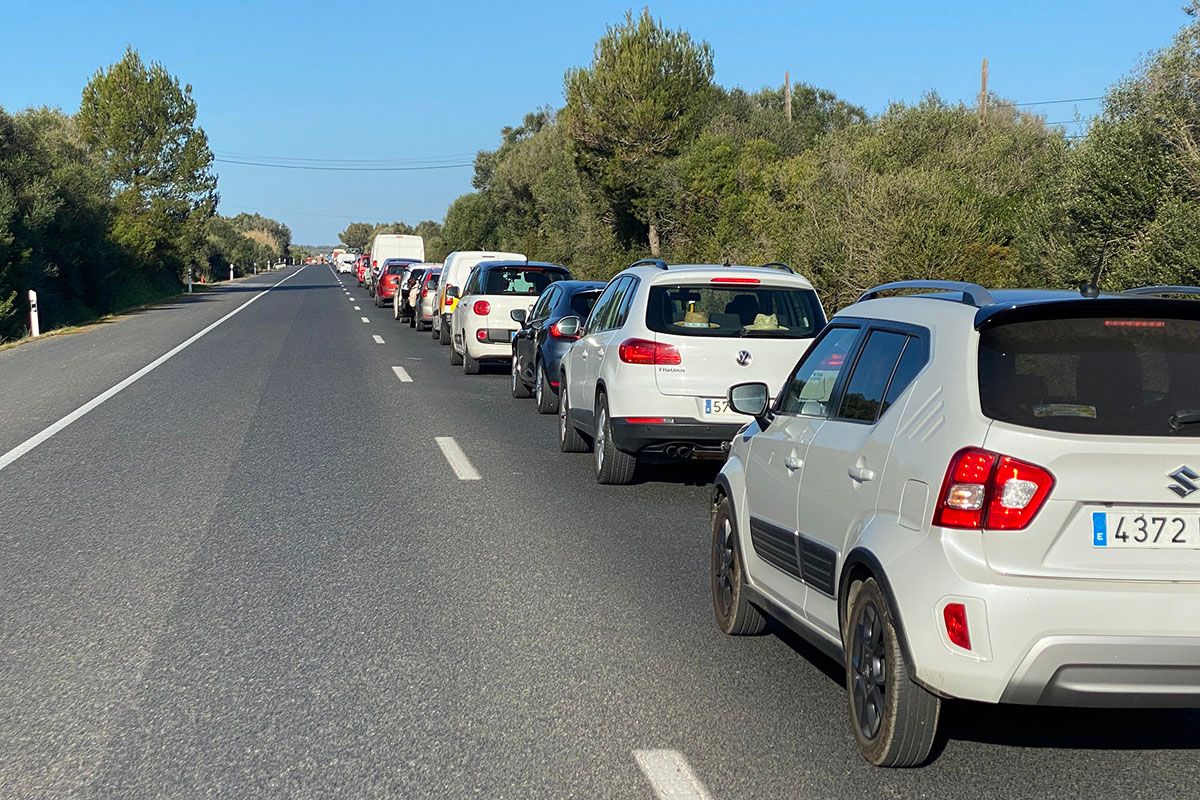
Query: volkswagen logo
x=744, y=358
x=1185, y=481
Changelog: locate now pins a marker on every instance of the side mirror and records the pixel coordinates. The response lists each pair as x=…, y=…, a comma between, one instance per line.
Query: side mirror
x=451, y=292
x=570, y=327
x=518, y=315
x=751, y=399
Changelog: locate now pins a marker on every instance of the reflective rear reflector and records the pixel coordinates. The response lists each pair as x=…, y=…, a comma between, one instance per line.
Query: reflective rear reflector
x=955, y=617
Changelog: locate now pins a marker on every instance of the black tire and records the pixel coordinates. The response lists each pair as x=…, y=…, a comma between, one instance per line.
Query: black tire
x=395, y=310
x=736, y=615
x=444, y=333
x=613, y=466
x=894, y=719
x=455, y=358
x=547, y=400
x=519, y=389
x=435, y=328
x=570, y=440
x=470, y=365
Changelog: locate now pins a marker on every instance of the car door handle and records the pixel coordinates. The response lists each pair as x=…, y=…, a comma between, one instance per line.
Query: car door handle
x=793, y=463
x=583, y=355
x=862, y=474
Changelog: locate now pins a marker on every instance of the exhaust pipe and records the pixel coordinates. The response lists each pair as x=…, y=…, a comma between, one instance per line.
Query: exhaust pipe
x=684, y=451
x=672, y=451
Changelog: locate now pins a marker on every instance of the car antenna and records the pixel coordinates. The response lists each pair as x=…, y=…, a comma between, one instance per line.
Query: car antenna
x=1092, y=287
x=727, y=263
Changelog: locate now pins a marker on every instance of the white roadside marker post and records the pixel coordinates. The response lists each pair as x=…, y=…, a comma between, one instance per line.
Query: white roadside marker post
x=35, y=328
x=189, y=280
x=231, y=272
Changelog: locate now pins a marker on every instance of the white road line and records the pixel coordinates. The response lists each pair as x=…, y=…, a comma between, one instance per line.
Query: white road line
x=670, y=775
x=364, y=319
x=378, y=339
x=33, y=441
x=359, y=308
x=402, y=374
x=457, y=458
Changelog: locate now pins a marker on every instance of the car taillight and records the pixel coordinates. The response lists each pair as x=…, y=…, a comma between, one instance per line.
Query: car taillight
x=644, y=351
x=735, y=280
x=557, y=333
x=482, y=308
x=990, y=491
x=481, y=334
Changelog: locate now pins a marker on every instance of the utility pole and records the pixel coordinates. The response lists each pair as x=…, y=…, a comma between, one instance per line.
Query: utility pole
x=983, y=90
x=787, y=96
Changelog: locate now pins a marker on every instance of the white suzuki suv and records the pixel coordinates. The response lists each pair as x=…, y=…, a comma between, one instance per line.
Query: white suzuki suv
x=481, y=324
x=980, y=495
x=646, y=380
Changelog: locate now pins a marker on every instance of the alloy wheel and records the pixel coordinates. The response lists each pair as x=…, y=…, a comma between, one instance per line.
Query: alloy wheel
x=869, y=664
x=601, y=424
x=725, y=568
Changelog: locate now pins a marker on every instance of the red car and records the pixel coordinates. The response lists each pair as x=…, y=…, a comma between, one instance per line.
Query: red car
x=360, y=269
x=389, y=281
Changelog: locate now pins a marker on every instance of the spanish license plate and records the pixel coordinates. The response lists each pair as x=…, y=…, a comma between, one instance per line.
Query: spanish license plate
x=1145, y=529
x=719, y=407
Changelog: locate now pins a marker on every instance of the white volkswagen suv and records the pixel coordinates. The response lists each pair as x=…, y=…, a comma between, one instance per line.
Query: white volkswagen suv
x=481, y=324
x=646, y=380
x=979, y=495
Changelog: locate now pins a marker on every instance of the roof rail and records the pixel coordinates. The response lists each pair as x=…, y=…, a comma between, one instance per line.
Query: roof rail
x=777, y=265
x=1159, y=291
x=649, y=262
x=973, y=294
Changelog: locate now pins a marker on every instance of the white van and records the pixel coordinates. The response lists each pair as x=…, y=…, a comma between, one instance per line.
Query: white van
x=455, y=272
x=395, y=245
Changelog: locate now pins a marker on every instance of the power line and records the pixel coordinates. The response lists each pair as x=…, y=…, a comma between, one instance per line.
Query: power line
x=362, y=218
x=1055, y=102
x=342, y=169
x=396, y=161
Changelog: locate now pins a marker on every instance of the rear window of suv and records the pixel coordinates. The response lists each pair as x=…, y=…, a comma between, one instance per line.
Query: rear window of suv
x=521, y=281
x=774, y=312
x=1116, y=376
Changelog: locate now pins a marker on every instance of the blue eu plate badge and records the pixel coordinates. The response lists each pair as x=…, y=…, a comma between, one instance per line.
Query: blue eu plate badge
x=1099, y=529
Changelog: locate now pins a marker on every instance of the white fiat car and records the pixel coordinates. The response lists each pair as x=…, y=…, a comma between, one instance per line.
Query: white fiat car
x=455, y=270
x=647, y=379
x=482, y=325
x=981, y=495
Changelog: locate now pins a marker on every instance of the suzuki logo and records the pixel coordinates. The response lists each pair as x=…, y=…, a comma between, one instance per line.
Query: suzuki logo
x=744, y=358
x=1185, y=481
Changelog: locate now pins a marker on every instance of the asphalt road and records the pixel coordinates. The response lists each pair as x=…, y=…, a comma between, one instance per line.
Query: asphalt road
x=253, y=573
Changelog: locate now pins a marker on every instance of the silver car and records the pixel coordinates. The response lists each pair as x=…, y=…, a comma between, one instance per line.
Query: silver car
x=425, y=304
x=986, y=495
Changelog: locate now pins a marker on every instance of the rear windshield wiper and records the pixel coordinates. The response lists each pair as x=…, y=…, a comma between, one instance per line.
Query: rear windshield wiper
x=1184, y=417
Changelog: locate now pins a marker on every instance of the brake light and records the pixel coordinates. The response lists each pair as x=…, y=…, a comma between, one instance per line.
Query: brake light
x=481, y=334
x=644, y=351
x=482, y=308
x=1134, y=323
x=986, y=490
x=955, y=617
x=557, y=333
x=374, y=263
x=645, y=420
x=735, y=280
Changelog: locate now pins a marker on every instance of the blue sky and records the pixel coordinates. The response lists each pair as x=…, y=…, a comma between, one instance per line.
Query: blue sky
x=372, y=80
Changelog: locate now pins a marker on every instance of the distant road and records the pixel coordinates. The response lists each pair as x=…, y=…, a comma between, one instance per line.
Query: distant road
x=305, y=558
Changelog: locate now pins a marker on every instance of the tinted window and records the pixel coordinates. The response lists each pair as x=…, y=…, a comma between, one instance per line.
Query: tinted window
x=911, y=363
x=734, y=310
x=1093, y=375
x=602, y=305
x=625, y=302
x=863, y=400
x=397, y=269
x=811, y=386
x=541, y=309
x=580, y=303
x=519, y=280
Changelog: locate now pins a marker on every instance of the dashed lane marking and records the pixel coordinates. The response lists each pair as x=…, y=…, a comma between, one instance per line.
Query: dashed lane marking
x=457, y=458
x=378, y=339
x=364, y=319
x=670, y=775
x=402, y=374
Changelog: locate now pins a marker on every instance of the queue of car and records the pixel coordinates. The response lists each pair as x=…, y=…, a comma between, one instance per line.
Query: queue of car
x=957, y=493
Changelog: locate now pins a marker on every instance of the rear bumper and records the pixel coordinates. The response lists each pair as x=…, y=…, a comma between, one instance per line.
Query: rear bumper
x=706, y=439
x=1109, y=672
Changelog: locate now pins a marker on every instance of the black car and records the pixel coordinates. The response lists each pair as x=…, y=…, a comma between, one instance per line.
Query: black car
x=539, y=345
